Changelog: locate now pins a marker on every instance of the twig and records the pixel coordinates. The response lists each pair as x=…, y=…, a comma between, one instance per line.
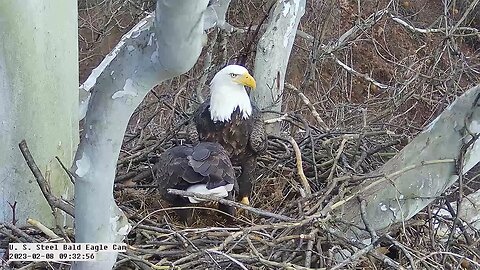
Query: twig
x=8, y=234
x=459, y=168
x=359, y=74
x=472, y=5
x=309, y=105
x=45, y=230
x=35, y=265
x=362, y=251
x=277, y=265
x=207, y=66
x=363, y=213
x=53, y=201
x=356, y=256
x=175, y=101
x=404, y=250
x=147, y=263
x=308, y=253
x=228, y=257
x=356, y=30
x=13, y=206
x=70, y=175
x=451, y=254
x=229, y=203
x=19, y=232
x=301, y=174
x=337, y=157
x=275, y=120
x=431, y=30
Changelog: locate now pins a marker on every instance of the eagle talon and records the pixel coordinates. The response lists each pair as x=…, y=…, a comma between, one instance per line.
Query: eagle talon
x=245, y=201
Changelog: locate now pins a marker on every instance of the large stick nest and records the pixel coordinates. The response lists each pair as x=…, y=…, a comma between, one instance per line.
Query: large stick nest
x=290, y=231
x=375, y=78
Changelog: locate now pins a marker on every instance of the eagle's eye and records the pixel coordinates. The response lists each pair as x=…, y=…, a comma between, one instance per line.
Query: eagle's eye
x=233, y=75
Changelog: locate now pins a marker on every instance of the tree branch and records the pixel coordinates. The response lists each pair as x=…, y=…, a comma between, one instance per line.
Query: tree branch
x=230, y=203
x=53, y=201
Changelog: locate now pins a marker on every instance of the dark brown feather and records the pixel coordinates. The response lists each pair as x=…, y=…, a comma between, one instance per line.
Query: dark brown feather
x=181, y=166
x=243, y=139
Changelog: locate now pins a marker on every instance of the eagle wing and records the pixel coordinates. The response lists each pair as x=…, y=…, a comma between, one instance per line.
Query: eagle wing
x=210, y=160
x=172, y=168
x=184, y=166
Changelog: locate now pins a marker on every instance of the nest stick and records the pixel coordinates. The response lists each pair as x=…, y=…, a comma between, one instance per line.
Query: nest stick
x=298, y=156
x=309, y=104
x=337, y=157
x=387, y=177
x=53, y=201
x=277, y=119
x=308, y=253
x=229, y=203
x=363, y=213
x=37, y=224
x=19, y=232
x=228, y=257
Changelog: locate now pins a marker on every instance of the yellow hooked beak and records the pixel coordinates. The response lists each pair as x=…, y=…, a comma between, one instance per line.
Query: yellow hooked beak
x=247, y=80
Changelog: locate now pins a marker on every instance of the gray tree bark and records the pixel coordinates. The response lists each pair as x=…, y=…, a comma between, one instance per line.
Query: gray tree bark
x=156, y=49
x=469, y=215
x=38, y=103
x=215, y=15
x=273, y=53
x=421, y=172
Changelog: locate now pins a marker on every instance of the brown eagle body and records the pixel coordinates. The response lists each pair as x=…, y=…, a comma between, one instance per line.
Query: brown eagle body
x=206, y=166
x=243, y=139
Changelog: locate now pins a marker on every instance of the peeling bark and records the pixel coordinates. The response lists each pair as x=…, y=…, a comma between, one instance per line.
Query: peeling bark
x=156, y=49
x=215, y=15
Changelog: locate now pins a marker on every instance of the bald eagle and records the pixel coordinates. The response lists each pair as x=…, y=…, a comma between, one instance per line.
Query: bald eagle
x=204, y=168
x=229, y=118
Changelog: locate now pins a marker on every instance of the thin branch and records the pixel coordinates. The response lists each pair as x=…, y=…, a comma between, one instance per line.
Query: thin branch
x=309, y=104
x=337, y=157
x=431, y=30
x=359, y=74
x=301, y=174
x=70, y=175
x=228, y=257
x=37, y=224
x=385, y=178
x=53, y=201
x=229, y=203
x=19, y=232
x=363, y=214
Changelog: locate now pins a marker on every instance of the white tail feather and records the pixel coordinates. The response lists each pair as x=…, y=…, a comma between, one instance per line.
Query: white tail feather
x=221, y=191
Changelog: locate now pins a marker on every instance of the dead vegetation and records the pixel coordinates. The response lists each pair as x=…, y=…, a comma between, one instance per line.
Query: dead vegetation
x=363, y=80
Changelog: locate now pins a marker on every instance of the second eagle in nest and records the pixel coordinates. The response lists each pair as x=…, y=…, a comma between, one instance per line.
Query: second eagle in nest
x=204, y=169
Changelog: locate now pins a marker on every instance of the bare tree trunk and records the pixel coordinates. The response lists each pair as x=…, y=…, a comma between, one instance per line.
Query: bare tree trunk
x=38, y=103
x=155, y=50
x=421, y=172
x=273, y=53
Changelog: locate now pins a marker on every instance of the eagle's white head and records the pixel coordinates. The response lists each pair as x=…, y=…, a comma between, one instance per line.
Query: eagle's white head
x=228, y=92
